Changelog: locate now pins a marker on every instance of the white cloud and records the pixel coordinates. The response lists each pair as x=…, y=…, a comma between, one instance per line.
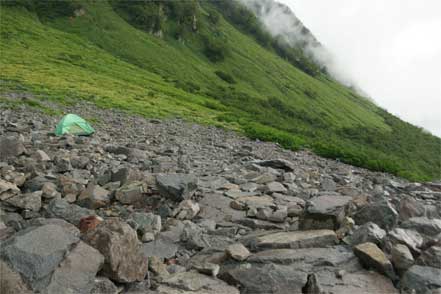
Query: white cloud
x=390, y=48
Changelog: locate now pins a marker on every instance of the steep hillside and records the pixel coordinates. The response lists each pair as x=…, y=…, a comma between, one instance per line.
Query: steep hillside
x=202, y=62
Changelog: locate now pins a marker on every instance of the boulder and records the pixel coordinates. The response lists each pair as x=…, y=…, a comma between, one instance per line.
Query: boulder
x=402, y=258
x=118, y=242
x=381, y=213
x=299, y=239
x=284, y=271
x=176, y=187
x=76, y=274
x=131, y=193
x=94, y=197
x=324, y=212
x=423, y=225
x=410, y=238
x=410, y=207
x=372, y=257
x=37, y=251
x=421, y=280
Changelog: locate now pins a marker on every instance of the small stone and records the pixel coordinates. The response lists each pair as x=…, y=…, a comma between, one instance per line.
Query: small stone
x=41, y=156
x=207, y=268
x=186, y=210
x=237, y=251
x=50, y=190
x=103, y=285
x=430, y=257
x=176, y=187
x=131, y=193
x=312, y=285
x=369, y=232
x=148, y=237
x=94, y=197
x=275, y=187
x=10, y=147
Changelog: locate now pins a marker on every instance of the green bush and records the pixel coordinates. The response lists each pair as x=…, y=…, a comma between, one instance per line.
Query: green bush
x=226, y=77
x=216, y=48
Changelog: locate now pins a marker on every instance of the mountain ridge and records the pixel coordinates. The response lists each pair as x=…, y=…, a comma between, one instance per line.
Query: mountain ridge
x=219, y=73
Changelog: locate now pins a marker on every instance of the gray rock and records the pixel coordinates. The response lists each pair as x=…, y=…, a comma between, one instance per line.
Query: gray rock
x=125, y=261
x=237, y=251
x=372, y=257
x=312, y=285
x=277, y=163
x=369, y=232
x=62, y=164
x=275, y=187
x=29, y=201
x=77, y=272
x=324, y=212
x=409, y=207
x=327, y=184
x=41, y=156
x=94, y=197
x=36, y=252
x=410, y=238
x=206, y=268
x=186, y=210
x=401, y=257
x=421, y=279
x=423, y=225
x=8, y=190
x=11, y=281
x=144, y=222
x=176, y=187
x=161, y=247
x=49, y=190
x=381, y=213
x=131, y=193
x=194, y=283
x=10, y=147
x=300, y=239
x=430, y=257
x=70, y=212
x=103, y=285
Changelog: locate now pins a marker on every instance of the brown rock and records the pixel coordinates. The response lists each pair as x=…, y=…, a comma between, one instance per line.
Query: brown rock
x=118, y=242
x=372, y=257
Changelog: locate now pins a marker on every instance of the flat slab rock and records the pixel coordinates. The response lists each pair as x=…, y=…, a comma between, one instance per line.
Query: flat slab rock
x=194, y=283
x=297, y=239
x=37, y=251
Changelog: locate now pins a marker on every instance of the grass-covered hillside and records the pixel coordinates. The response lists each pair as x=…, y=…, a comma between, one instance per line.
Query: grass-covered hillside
x=206, y=61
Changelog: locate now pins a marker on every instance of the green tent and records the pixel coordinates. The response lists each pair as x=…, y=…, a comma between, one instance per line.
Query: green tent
x=75, y=125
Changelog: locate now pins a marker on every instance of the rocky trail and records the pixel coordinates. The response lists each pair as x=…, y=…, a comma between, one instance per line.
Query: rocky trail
x=151, y=206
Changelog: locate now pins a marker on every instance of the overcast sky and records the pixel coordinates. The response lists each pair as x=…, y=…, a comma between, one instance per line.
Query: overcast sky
x=390, y=48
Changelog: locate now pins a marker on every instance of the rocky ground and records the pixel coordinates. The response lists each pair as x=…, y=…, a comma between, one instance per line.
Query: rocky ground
x=149, y=206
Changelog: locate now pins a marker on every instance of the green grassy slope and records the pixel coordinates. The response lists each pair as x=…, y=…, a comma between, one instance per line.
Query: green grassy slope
x=101, y=57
